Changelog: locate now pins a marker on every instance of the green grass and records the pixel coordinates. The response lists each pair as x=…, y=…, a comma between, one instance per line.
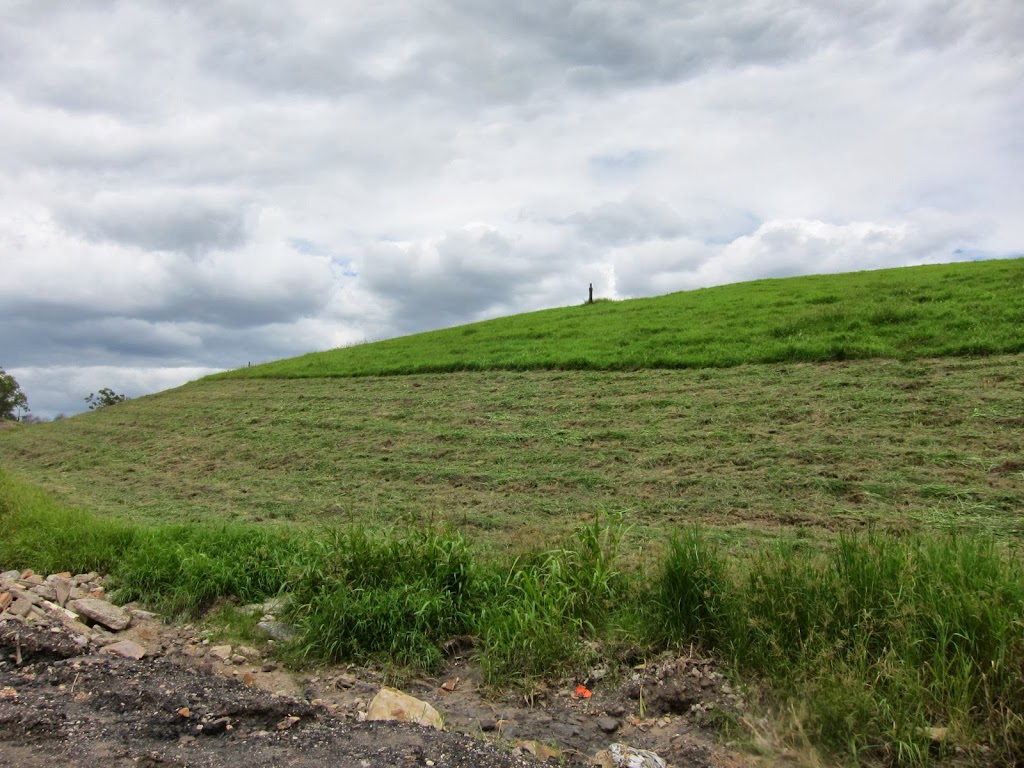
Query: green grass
x=513, y=458
x=972, y=308
x=880, y=639
x=464, y=497
x=877, y=638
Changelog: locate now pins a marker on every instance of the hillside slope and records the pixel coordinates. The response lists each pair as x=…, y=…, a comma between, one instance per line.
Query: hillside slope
x=968, y=308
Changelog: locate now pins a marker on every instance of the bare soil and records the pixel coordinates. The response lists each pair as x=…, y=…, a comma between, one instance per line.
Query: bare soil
x=181, y=705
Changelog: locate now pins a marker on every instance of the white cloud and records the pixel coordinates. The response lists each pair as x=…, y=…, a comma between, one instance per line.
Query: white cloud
x=257, y=181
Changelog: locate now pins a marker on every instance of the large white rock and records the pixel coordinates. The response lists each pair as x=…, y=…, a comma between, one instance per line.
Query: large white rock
x=390, y=704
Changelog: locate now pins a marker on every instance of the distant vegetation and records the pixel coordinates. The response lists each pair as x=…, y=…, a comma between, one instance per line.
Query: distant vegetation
x=973, y=308
x=819, y=480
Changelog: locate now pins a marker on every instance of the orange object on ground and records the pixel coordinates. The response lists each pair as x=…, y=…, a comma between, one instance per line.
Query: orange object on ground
x=582, y=692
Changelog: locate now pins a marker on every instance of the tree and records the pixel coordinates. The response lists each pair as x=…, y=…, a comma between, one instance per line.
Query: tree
x=106, y=397
x=13, y=403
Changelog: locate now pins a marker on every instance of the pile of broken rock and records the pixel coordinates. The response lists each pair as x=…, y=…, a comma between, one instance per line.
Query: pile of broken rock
x=77, y=604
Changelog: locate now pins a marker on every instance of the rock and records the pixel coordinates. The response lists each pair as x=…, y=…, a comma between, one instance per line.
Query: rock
x=45, y=591
x=20, y=607
x=249, y=653
x=5, y=601
x=288, y=722
x=126, y=649
x=269, y=666
x=221, y=652
x=61, y=591
x=541, y=751
x=9, y=576
x=102, y=612
x=624, y=756
x=275, y=629
x=272, y=606
x=216, y=727
x=390, y=704
x=142, y=615
x=608, y=724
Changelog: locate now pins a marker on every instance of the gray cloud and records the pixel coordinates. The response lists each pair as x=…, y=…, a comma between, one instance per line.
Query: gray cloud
x=185, y=187
x=159, y=222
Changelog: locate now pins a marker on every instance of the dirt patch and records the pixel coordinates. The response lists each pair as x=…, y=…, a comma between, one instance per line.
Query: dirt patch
x=189, y=702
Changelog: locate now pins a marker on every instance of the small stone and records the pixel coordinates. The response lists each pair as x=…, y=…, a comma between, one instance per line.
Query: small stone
x=624, y=756
x=5, y=601
x=288, y=722
x=45, y=591
x=237, y=659
x=269, y=666
x=391, y=704
x=488, y=725
x=222, y=652
x=62, y=591
x=608, y=724
x=541, y=751
x=248, y=679
x=249, y=653
x=9, y=576
x=142, y=615
x=102, y=612
x=185, y=712
x=127, y=649
x=344, y=682
x=216, y=727
x=20, y=607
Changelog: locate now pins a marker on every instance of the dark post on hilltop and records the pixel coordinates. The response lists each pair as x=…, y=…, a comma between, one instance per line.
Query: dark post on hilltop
x=590, y=299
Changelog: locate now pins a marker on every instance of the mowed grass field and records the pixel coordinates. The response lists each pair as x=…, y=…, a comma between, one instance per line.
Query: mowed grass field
x=818, y=480
x=513, y=459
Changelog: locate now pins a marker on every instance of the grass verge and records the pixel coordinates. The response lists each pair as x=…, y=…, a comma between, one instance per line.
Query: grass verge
x=901, y=650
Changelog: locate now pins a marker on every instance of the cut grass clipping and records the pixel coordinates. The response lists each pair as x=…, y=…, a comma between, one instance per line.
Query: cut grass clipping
x=899, y=649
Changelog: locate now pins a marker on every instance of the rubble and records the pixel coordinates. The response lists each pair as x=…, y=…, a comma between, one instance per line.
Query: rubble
x=78, y=604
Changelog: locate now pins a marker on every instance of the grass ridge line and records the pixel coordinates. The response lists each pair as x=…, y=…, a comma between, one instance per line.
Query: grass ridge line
x=961, y=309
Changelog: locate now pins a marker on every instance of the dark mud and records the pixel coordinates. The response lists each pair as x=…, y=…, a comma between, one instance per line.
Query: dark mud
x=181, y=705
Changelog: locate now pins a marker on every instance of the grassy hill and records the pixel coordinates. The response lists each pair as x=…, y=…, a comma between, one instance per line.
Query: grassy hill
x=972, y=308
x=774, y=415
x=512, y=457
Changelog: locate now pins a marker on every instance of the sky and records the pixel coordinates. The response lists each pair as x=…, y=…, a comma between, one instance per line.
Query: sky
x=187, y=187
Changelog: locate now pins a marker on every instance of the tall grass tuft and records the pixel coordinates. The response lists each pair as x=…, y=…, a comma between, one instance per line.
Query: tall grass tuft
x=534, y=618
x=693, y=596
x=897, y=649
x=383, y=596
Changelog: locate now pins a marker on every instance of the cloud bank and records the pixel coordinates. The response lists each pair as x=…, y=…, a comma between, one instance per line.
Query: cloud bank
x=191, y=187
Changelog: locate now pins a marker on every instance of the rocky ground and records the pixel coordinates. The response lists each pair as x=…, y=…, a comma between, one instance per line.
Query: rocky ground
x=85, y=683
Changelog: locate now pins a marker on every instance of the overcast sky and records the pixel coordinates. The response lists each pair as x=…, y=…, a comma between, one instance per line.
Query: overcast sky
x=190, y=186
